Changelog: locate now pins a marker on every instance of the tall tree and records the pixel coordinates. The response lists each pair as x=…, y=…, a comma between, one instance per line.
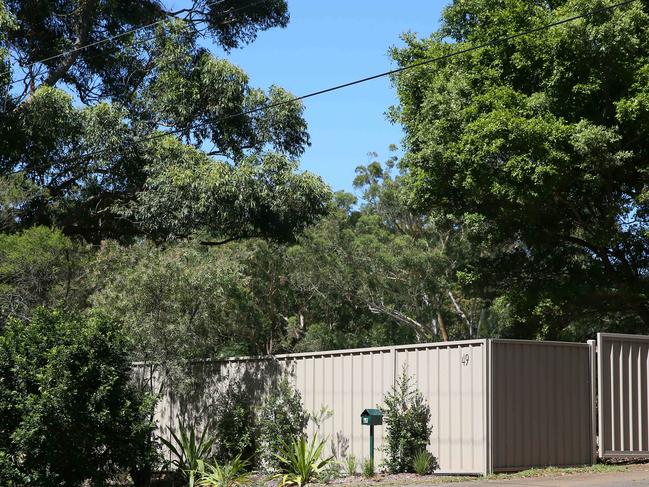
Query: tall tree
x=538, y=145
x=49, y=39
x=143, y=82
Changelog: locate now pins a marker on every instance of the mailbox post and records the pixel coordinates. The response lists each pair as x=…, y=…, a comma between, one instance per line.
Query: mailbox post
x=371, y=418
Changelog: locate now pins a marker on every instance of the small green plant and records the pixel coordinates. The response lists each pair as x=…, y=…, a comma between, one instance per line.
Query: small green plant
x=190, y=451
x=281, y=416
x=424, y=463
x=230, y=474
x=407, y=425
x=352, y=464
x=367, y=468
x=300, y=461
x=332, y=471
x=233, y=420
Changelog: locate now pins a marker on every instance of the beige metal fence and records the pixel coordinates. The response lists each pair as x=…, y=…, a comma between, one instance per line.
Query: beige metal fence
x=495, y=404
x=623, y=382
x=452, y=377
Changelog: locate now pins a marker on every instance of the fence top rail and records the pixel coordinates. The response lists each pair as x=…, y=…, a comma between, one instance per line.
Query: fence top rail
x=623, y=336
x=326, y=353
x=388, y=349
x=540, y=342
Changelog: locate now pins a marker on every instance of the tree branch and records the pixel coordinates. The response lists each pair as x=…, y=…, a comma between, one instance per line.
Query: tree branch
x=228, y=240
x=85, y=23
x=419, y=328
x=461, y=313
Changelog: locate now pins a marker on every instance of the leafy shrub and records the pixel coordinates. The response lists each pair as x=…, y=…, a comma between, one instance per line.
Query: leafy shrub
x=69, y=412
x=367, y=468
x=424, y=463
x=332, y=471
x=190, y=451
x=300, y=462
x=281, y=416
x=230, y=474
x=352, y=464
x=38, y=267
x=234, y=423
x=407, y=418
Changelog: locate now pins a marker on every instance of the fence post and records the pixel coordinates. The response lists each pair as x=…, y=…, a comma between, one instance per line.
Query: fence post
x=394, y=366
x=593, y=400
x=487, y=413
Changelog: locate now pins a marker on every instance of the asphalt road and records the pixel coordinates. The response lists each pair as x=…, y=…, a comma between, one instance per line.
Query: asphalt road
x=636, y=476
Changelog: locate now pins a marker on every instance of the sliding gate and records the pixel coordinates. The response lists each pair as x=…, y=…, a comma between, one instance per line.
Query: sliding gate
x=623, y=398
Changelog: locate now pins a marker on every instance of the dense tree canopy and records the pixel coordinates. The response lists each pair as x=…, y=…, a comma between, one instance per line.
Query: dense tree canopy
x=91, y=128
x=518, y=209
x=538, y=147
x=373, y=273
x=153, y=198
x=125, y=39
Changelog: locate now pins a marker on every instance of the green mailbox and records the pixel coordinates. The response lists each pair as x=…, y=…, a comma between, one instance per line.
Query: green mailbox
x=372, y=418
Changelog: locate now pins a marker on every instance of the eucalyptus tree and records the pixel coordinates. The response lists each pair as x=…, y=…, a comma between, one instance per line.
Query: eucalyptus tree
x=105, y=96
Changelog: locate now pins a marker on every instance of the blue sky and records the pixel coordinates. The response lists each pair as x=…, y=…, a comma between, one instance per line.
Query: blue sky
x=328, y=43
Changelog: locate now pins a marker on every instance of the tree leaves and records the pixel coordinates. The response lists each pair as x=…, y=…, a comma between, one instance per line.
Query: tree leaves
x=525, y=136
x=260, y=197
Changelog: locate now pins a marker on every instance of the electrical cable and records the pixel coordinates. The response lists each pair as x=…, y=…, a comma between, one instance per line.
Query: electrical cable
x=373, y=77
x=117, y=36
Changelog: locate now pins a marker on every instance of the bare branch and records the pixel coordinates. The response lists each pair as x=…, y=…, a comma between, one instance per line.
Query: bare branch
x=461, y=313
x=85, y=23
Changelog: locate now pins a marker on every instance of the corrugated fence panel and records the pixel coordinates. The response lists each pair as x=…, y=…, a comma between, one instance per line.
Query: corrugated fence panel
x=345, y=383
x=540, y=404
x=495, y=404
x=452, y=377
x=623, y=382
x=194, y=402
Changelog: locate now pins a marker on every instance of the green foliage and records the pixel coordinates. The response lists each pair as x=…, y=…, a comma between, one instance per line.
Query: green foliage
x=367, y=468
x=361, y=277
x=230, y=474
x=262, y=196
x=384, y=272
x=351, y=464
x=537, y=148
x=44, y=32
x=234, y=424
x=190, y=451
x=178, y=303
x=38, y=267
x=281, y=415
x=331, y=471
x=69, y=412
x=424, y=463
x=15, y=192
x=300, y=461
x=407, y=425
x=85, y=131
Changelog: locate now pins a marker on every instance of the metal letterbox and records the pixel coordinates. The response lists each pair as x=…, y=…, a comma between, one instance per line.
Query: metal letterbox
x=372, y=417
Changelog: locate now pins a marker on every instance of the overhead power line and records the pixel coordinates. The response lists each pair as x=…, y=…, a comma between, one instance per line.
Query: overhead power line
x=379, y=75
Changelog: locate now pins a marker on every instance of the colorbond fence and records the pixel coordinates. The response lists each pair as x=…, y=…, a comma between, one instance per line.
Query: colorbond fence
x=496, y=405
x=541, y=400
x=453, y=378
x=623, y=379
